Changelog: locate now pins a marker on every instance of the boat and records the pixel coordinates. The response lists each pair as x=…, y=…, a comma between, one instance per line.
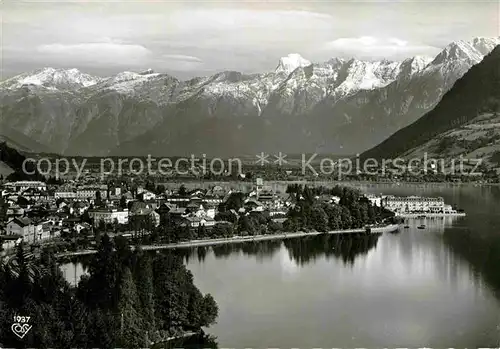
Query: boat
x=421, y=226
x=407, y=226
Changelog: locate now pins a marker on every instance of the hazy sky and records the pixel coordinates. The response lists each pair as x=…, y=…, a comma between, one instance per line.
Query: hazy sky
x=188, y=38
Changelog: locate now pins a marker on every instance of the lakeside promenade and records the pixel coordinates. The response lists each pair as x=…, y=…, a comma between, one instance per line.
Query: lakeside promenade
x=241, y=239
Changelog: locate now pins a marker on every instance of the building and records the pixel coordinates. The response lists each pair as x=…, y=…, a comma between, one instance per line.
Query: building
x=414, y=204
x=10, y=241
x=108, y=216
x=91, y=193
x=23, y=227
x=140, y=210
x=63, y=193
x=195, y=222
x=253, y=205
x=35, y=194
x=29, y=230
x=212, y=199
x=83, y=193
x=374, y=200
x=23, y=185
x=147, y=195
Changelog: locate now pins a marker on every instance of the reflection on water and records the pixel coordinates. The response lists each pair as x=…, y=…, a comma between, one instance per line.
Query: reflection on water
x=72, y=271
x=407, y=289
x=344, y=247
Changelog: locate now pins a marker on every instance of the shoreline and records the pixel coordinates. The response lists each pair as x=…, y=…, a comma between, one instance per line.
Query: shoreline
x=241, y=239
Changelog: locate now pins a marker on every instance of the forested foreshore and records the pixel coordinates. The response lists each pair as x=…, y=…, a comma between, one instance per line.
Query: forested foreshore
x=312, y=211
x=129, y=299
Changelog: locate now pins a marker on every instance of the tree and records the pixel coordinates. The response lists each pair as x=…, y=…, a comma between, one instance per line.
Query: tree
x=22, y=201
x=131, y=331
x=234, y=202
x=318, y=219
x=102, y=225
x=101, y=288
x=85, y=217
x=3, y=211
x=115, y=225
x=245, y=224
x=145, y=288
x=160, y=189
x=226, y=216
x=210, y=311
x=98, y=198
x=123, y=202
x=182, y=190
x=125, y=295
x=275, y=227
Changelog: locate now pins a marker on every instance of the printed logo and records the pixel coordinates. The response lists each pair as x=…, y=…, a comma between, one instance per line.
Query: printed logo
x=21, y=327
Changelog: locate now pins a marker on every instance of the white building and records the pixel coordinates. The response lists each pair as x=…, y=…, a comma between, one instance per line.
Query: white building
x=414, y=204
x=108, y=215
x=23, y=185
x=65, y=194
x=195, y=222
x=375, y=200
x=29, y=230
x=79, y=194
x=147, y=195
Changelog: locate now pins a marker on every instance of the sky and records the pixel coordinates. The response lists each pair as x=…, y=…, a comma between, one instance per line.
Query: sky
x=193, y=38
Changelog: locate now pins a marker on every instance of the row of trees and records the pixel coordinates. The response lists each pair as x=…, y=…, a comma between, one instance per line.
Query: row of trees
x=129, y=299
x=352, y=211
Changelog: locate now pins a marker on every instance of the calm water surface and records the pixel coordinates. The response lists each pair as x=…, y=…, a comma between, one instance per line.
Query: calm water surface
x=437, y=287
x=429, y=287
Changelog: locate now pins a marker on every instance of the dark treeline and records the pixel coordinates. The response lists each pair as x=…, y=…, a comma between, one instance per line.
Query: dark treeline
x=310, y=211
x=130, y=299
x=15, y=160
x=352, y=211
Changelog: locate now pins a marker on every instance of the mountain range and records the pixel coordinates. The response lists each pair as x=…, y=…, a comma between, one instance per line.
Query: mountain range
x=466, y=122
x=339, y=106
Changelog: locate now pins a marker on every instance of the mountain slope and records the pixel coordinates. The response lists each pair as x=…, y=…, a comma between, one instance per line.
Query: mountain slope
x=299, y=107
x=21, y=142
x=473, y=99
x=479, y=138
x=316, y=108
x=11, y=165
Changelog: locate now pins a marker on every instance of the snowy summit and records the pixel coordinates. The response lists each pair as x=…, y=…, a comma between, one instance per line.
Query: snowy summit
x=54, y=79
x=291, y=62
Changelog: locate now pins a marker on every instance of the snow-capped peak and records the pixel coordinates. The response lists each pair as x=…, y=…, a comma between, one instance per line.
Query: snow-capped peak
x=415, y=64
x=147, y=72
x=485, y=45
x=291, y=62
x=473, y=50
x=127, y=81
x=128, y=76
x=51, y=78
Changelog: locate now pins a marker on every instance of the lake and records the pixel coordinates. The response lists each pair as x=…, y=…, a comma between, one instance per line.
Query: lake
x=432, y=287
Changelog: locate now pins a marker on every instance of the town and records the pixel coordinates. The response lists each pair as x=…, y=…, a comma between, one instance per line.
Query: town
x=71, y=216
